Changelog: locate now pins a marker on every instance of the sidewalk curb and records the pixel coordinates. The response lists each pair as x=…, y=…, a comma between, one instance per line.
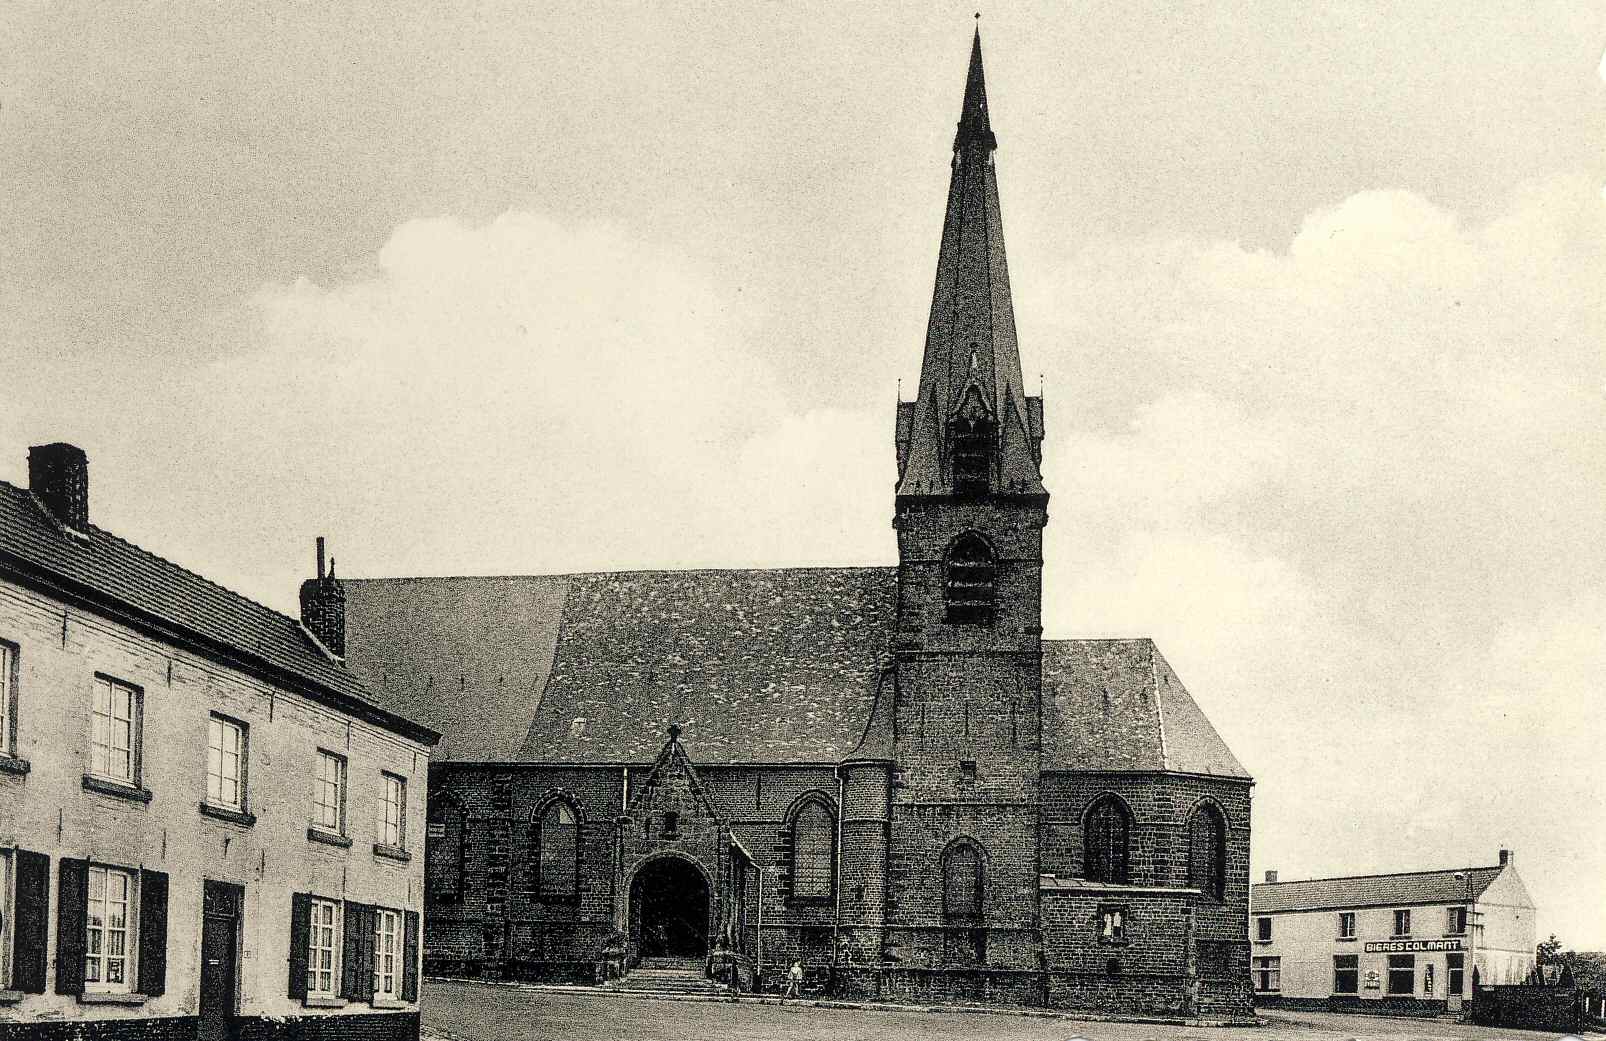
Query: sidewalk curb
x=837, y=1003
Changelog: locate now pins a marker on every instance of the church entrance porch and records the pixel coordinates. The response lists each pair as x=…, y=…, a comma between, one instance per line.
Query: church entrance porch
x=669, y=909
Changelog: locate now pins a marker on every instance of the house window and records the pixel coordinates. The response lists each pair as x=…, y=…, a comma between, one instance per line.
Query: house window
x=1263, y=929
x=329, y=793
x=8, y=698
x=1456, y=920
x=962, y=881
x=225, y=763
x=323, y=945
x=392, y=829
x=557, y=857
x=1207, y=851
x=1346, y=925
x=114, y=731
x=969, y=590
x=387, y=954
x=1455, y=972
x=1402, y=923
x=1105, y=843
x=1346, y=974
x=1112, y=925
x=813, y=851
x=108, y=943
x=1402, y=973
x=1268, y=975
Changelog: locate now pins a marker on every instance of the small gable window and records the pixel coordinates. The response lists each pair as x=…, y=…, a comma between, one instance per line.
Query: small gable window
x=1207, y=851
x=962, y=881
x=1106, y=842
x=557, y=852
x=813, y=852
x=970, y=591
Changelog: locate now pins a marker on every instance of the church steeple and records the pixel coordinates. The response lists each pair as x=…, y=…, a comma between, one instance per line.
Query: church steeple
x=971, y=429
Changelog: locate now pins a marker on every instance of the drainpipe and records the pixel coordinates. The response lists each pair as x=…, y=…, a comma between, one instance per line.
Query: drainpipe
x=758, y=958
x=836, y=871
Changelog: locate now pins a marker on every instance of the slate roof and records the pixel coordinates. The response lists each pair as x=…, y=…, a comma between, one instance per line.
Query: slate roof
x=118, y=578
x=771, y=666
x=1397, y=890
x=758, y=666
x=1117, y=705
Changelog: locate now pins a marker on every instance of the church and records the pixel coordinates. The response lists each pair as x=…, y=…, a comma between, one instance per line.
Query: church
x=886, y=774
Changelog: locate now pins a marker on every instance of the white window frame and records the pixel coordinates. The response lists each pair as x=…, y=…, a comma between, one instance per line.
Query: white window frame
x=218, y=731
x=1346, y=918
x=1406, y=913
x=102, y=960
x=318, y=931
x=388, y=956
x=393, y=812
x=8, y=696
x=1272, y=967
x=1455, y=917
x=1263, y=929
x=321, y=783
x=104, y=723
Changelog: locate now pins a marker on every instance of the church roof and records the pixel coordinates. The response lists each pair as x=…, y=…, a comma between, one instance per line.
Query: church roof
x=770, y=666
x=758, y=666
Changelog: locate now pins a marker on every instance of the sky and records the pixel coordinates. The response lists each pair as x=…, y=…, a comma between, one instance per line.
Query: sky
x=1316, y=295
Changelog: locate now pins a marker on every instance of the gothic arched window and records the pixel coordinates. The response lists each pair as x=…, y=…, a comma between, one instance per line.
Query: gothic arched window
x=970, y=587
x=1207, y=851
x=813, y=851
x=1106, y=842
x=556, y=852
x=962, y=881
x=443, y=850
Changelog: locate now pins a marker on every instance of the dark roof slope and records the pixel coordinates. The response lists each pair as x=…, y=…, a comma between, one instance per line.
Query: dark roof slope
x=769, y=666
x=1398, y=890
x=1117, y=705
x=119, y=578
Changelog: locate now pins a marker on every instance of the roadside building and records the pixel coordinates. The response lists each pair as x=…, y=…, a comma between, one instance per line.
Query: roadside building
x=207, y=829
x=1405, y=942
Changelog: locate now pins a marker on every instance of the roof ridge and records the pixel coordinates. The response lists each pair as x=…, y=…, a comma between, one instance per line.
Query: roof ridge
x=97, y=530
x=1384, y=874
x=627, y=571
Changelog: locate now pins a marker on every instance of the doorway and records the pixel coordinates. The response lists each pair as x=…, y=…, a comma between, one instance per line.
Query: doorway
x=669, y=903
x=221, y=904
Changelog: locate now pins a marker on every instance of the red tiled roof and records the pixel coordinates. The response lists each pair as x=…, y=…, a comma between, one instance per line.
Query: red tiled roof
x=117, y=577
x=1398, y=890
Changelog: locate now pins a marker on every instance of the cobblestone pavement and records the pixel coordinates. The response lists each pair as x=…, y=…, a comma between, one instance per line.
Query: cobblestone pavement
x=471, y=1012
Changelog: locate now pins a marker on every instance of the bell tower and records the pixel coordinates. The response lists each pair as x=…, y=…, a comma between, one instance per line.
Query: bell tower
x=970, y=512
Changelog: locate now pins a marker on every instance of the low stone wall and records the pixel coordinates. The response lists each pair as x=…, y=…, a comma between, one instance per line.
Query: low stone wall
x=1554, y=1009
x=1354, y=1005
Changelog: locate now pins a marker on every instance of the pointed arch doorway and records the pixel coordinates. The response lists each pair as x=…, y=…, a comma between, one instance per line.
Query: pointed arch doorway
x=669, y=908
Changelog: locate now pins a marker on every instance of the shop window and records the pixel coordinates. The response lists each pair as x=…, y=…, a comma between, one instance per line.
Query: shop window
x=1346, y=974
x=969, y=591
x=1268, y=975
x=1106, y=842
x=1207, y=851
x=1455, y=972
x=1402, y=974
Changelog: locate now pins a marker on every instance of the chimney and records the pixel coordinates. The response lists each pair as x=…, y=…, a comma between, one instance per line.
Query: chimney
x=323, y=607
x=59, y=475
x=1271, y=876
x=1505, y=857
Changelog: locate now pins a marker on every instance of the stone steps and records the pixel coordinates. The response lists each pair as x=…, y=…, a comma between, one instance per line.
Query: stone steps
x=669, y=976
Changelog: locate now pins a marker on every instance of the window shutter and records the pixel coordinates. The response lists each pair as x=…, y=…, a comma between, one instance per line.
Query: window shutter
x=365, y=981
x=30, y=922
x=300, y=937
x=72, y=913
x=351, y=934
x=152, y=933
x=410, y=957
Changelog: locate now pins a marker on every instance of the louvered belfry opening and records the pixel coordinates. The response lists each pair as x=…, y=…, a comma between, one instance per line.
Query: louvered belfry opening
x=973, y=456
x=971, y=587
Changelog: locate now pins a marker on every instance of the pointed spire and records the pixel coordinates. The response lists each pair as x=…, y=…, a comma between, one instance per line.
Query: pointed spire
x=973, y=124
x=970, y=378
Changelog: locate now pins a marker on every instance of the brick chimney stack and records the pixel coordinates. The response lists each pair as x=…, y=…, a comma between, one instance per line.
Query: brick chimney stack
x=323, y=607
x=59, y=475
x=1271, y=876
